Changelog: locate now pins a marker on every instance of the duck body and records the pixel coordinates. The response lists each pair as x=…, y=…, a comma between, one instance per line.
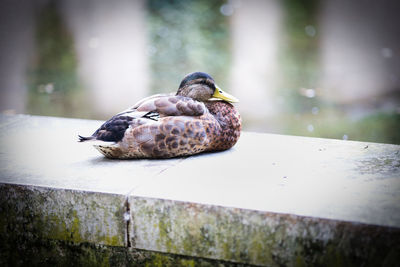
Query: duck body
x=166, y=126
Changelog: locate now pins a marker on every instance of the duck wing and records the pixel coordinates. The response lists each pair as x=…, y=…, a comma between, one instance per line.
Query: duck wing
x=146, y=99
x=172, y=106
x=146, y=111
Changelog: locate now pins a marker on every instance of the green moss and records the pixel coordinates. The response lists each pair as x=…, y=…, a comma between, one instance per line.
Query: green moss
x=204, y=235
x=158, y=261
x=164, y=227
x=299, y=262
x=171, y=260
x=60, y=216
x=59, y=228
x=113, y=240
x=188, y=263
x=259, y=250
x=187, y=244
x=333, y=257
x=75, y=227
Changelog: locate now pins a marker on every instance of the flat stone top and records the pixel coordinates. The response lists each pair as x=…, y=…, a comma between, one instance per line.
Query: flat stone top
x=324, y=178
x=45, y=151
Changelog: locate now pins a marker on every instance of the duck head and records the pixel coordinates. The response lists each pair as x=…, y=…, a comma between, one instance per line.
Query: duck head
x=202, y=87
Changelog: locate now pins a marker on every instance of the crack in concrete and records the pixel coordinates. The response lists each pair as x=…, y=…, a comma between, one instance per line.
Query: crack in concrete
x=127, y=219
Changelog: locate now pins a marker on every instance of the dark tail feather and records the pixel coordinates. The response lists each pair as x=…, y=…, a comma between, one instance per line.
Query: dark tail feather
x=83, y=138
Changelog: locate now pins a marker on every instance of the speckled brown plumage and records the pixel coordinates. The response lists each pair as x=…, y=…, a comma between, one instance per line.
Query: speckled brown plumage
x=165, y=126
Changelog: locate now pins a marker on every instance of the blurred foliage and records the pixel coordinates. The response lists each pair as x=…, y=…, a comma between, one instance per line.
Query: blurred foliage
x=378, y=127
x=53, y=83
x=298, y=55
x=304, y=112
x=186, y=36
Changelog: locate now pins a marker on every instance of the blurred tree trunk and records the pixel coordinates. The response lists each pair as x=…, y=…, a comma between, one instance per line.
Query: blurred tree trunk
x=16, y=43
x=52, y=80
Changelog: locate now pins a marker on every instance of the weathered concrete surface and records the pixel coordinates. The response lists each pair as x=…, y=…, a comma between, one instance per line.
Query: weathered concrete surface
x=340, y=180
x=271, y=200
x=260, y=238
x=60, y=214
x=294, y=200
x=20, y=250
x=43, y=151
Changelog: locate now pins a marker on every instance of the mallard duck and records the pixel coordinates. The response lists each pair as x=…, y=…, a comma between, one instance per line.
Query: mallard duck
x=198, y=118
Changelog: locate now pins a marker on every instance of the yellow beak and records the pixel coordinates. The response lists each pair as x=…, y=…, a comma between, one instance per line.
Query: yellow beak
x=224, y=96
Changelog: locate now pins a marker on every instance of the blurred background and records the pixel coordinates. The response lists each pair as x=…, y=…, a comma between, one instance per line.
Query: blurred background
x=312, y=68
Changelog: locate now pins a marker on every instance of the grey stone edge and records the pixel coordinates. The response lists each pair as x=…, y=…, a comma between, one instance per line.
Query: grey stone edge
x=195, y=230
x=258, y=237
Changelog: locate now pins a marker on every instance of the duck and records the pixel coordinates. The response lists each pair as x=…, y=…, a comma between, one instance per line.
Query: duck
x=199, y=117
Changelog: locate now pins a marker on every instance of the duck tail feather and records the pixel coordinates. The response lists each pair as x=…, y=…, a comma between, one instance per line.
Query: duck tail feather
x=83, y=138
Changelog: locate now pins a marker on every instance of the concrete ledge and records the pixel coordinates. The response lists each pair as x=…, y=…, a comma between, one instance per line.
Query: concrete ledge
x=259, y=238
x=271, y=200
x=66, y=215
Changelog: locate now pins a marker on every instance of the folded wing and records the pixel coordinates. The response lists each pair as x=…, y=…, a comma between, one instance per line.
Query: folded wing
x=146, y=111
